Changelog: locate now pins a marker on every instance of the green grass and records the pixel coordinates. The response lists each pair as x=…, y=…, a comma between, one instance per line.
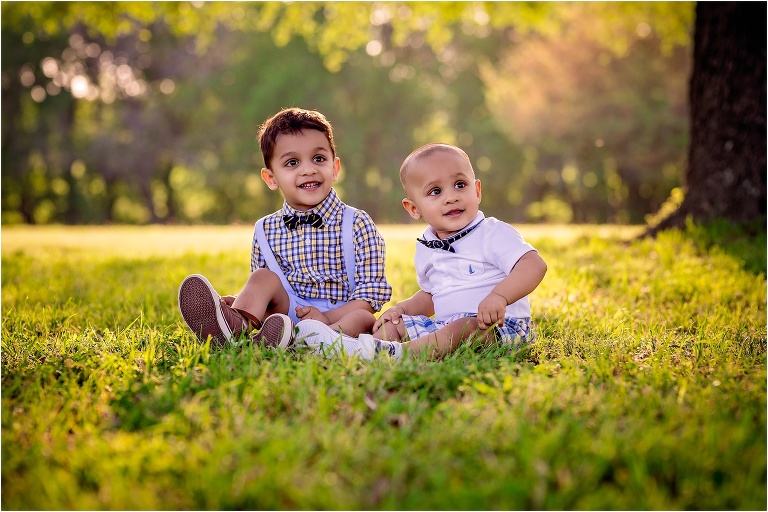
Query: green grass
x=645, y=389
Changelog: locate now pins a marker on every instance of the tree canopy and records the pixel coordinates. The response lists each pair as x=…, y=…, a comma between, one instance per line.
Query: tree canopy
x=177, y=89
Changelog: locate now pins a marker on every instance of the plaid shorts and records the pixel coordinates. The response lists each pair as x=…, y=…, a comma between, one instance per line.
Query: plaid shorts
x=516, y=331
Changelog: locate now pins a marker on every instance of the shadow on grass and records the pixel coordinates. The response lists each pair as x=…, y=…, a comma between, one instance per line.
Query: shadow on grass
x=746, y=243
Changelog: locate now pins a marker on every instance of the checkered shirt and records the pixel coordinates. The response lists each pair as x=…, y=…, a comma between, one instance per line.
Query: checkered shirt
x=312, y=259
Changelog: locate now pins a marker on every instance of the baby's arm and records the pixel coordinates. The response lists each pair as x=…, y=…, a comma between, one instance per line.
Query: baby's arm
x=525, y=276
x=418, y=304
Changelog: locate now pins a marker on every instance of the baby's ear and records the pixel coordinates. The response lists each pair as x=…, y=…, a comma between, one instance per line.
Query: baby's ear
x=410, y=207
x=269, y=179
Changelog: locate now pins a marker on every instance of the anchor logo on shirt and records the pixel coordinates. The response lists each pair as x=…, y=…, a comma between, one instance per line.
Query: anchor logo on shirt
x=471, y=269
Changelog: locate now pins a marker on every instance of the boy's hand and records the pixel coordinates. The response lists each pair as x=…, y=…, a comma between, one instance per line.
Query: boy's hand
x=311, y=313
x=491, y=311
x=392, y=315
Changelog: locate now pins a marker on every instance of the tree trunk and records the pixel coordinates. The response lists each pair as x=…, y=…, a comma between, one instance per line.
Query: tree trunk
x=726, y=173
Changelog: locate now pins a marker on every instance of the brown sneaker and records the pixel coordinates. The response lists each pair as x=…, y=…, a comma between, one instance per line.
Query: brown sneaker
x=276, y=332
x=206, y=313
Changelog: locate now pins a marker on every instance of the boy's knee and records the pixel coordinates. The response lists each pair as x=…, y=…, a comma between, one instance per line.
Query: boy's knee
x=262, y=276
x=265, y=283
x=365, y=318
x=366, y=315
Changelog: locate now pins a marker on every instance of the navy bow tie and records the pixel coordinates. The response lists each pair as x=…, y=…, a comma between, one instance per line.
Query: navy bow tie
x=293, y=221
x=445, y=244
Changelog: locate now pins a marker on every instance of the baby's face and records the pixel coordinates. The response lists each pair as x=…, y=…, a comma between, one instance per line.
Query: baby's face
x=442, y=189
x=303, y=168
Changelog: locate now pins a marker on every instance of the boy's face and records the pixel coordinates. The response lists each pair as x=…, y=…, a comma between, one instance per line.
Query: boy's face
x=303, y=168
x=443, y=190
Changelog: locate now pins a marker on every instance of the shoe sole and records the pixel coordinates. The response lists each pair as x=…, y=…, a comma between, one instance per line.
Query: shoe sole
x=276, y=332
x=367, y=346
x=198, y=304
x=325, y=341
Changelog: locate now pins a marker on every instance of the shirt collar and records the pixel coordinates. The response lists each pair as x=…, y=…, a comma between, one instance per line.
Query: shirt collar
x=429, y=234
x=326, y=209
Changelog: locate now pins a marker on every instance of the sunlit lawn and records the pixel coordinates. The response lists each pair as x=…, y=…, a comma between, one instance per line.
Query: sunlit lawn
x=645, y=389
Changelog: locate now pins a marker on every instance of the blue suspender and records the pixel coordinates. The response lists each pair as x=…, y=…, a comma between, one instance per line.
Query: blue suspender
x=269, y=256
x=348, y=246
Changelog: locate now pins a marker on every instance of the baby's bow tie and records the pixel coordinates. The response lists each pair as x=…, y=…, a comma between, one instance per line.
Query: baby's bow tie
x=437, y=244
x=445, y=244
x=293, y=221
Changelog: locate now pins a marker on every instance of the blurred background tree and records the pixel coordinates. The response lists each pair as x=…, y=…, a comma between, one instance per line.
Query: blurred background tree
x=148, y=112
x=605, y=129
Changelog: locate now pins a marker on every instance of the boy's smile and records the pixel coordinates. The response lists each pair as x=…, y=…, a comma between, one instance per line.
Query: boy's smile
x=303, y=168
x=442, y=188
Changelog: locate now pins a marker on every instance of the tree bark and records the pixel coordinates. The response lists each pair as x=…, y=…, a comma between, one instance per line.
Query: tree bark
x=726, y=172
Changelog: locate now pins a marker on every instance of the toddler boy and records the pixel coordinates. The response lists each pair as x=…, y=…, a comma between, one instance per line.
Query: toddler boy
x=315, y=258
x=474, y=272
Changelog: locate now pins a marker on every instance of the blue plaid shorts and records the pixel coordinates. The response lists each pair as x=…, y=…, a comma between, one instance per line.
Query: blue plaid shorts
x=515, y=331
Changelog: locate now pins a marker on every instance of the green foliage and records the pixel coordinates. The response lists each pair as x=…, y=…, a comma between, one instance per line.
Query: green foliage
x=645, y=388
x=178, y=90
x=115, y=19
x=589, y=114
x=338, y=29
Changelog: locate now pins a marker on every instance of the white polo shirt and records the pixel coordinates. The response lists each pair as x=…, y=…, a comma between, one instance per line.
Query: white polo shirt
x=459, y=280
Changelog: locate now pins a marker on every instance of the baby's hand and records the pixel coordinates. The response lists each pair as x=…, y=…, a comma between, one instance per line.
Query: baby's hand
x=392, y=315
x=311, y=313
x=491, y=311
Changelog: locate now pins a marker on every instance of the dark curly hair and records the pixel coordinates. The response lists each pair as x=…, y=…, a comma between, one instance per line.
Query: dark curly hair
x=292, y=121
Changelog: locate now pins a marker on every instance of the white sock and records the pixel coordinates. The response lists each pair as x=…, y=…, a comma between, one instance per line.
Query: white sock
x=370, y=348
x=393, y=349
